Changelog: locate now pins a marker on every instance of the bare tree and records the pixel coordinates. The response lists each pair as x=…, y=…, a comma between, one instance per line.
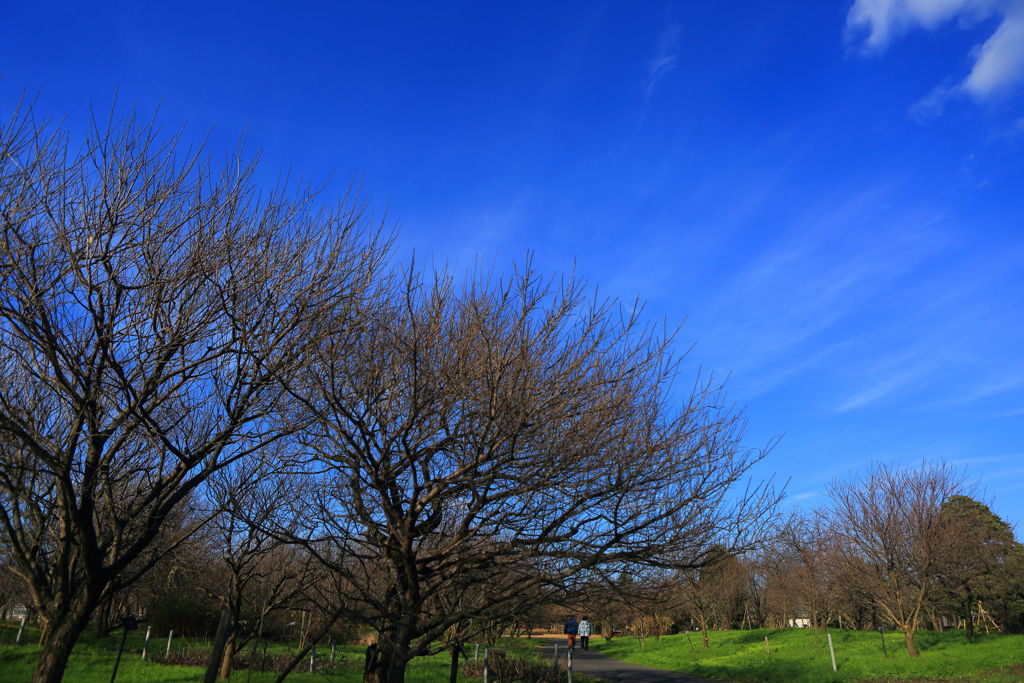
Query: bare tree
x=606, y=606
x=151, y=308
x=893, y=536
x=514, y=429
x=712, y=595
x=810, y=543
x=771, y=566
x=650, y=604
x=256, y=573
x=12, y=588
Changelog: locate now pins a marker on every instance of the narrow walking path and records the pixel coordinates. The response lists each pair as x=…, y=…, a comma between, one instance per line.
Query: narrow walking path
x=599, y=666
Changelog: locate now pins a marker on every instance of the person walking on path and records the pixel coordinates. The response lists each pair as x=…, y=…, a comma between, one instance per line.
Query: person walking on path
x=584, y=632
x=571, y=629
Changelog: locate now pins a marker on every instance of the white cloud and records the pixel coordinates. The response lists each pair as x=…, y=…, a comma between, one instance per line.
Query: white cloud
x=1009, y=413
x=932, y=105
x=886, y=19
x=1000, y=61
x=666, y=58
x=998, y=64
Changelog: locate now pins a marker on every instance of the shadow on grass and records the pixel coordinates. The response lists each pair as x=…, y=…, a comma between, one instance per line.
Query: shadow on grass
x=755, y=636
x=776, y=671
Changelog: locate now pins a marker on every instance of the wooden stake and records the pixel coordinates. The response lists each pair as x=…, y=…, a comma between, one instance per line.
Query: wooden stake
x=21, y=629
x=832, y=651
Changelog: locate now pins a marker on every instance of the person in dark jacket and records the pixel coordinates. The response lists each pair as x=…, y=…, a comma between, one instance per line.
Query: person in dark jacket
x=571, y=629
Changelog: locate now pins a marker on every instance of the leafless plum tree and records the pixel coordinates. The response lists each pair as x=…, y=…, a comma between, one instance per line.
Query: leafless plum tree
x=513, y=428
x=152, y=305
x=256, y=574
x=893, y=536
x=810, y=543
x=712, y=595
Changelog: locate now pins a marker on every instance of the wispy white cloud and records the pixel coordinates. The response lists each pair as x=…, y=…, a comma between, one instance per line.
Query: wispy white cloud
x=1013, y=133
x=885, y=20
x=785, y=313
x=1009, y=413
x=953, y=350
x=888, y=378
x=998, y=63
x=933, y=104
x=1005, y=473
x=871, y=303
x=976, y=461
x=666, y=58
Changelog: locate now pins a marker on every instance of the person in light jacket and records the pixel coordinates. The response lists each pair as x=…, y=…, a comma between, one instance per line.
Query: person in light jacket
x=570, y=630
x=584, y=632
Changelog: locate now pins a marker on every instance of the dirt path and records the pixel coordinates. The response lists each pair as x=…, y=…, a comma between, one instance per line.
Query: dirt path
x=599, y=666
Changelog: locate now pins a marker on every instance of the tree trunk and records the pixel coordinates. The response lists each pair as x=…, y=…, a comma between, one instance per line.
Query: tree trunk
x=228, y=656
x=969, y=618
x=58, y=640
x=386, y=662
x=908, y=635
x=219, y=640
x=103, y=617
x=453, y=672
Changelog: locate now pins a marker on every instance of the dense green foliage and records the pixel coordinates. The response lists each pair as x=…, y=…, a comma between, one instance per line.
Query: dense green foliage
x=740, y=656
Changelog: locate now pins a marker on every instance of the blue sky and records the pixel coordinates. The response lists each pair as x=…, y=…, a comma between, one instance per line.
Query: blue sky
x=829, y=194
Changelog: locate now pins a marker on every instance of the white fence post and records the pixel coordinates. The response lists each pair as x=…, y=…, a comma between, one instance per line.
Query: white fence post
x=832, y=651
x=145, y=643
x=21, y=629
x=170, y=635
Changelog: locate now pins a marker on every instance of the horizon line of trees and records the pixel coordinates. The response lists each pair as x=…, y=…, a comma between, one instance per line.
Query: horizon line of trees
x=897, y=548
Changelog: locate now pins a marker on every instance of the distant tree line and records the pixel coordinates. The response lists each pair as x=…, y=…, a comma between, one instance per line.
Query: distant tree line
x=225, y=403
x=892, y=548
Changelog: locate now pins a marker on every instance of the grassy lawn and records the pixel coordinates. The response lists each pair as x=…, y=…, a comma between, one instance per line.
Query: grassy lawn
x=93, y=661
x=740, y=656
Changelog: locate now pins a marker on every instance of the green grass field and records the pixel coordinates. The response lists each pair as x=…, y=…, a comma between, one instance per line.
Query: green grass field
x=733, y=656
x=93, y=661
x=740, y=656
